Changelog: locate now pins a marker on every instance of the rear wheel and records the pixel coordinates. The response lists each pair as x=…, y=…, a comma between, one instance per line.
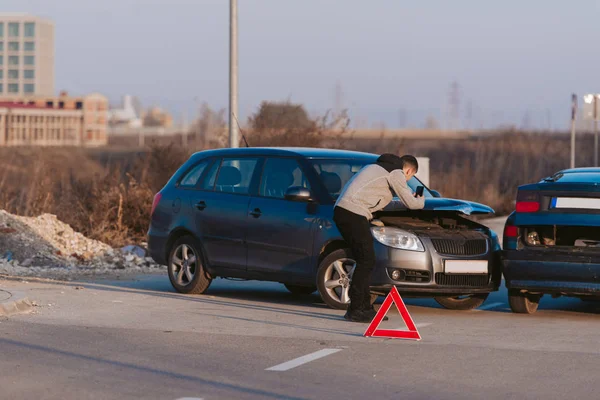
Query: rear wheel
x=300, y=290
x=469, y=302
x=334, y=278
x=523, y=303
x=186, y=267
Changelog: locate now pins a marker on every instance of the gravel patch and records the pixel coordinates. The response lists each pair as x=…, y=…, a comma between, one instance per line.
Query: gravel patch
x=46, y=247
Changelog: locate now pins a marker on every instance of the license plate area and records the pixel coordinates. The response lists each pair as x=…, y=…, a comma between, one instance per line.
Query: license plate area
x=466, y=267
x=572, y=203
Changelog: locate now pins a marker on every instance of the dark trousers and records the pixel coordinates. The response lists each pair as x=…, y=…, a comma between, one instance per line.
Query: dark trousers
x=356, y=231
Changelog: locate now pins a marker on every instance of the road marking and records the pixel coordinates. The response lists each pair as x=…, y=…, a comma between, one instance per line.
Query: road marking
x=489, y=306
x=423, y=324
x=296, y=362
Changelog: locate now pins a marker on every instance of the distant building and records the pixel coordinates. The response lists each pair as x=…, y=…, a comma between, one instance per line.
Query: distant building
x=156, y=117
x=54, y=121
x=26, y=56
x=127, y=116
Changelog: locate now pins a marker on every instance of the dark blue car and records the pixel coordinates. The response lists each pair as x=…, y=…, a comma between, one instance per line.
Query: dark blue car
x=552, y=240
x=267, y=214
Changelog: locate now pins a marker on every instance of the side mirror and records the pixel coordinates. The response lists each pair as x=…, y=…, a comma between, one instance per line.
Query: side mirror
x=298, y=193
x=435, y=193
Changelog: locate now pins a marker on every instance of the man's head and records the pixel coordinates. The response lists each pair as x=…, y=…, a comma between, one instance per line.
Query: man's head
x=406, y=163
x=410, y=166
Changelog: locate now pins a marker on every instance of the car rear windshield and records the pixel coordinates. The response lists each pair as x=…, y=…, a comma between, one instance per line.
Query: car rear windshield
x=577, y=177
x=335, y=174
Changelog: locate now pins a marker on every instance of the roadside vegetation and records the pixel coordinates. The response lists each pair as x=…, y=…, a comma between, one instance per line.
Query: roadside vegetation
x=106, y=193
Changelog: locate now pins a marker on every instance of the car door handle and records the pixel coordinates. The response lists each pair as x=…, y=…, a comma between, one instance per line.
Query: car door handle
x=256, y=213
x=201, y=205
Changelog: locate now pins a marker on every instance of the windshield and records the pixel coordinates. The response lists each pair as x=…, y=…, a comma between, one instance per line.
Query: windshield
x=331, y=170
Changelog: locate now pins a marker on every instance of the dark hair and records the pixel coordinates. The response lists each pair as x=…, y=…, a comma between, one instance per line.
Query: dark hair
x=392, y=162
x=410, y=160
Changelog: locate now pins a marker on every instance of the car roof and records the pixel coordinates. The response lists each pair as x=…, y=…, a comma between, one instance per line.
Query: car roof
x=289, y=151
x=580, y=170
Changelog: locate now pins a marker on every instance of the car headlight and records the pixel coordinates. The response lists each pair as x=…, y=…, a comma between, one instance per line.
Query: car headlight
x=397, y=238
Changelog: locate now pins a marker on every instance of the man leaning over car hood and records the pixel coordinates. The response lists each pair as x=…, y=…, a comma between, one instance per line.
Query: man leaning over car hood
x=369, y=191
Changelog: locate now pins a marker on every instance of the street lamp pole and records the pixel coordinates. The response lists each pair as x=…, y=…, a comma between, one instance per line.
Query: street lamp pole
x=595, y=130
x=573, y=120
x=233, y=75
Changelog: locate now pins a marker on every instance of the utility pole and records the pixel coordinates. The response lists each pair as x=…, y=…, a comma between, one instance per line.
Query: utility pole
x=573, y=116
x=233, y=74
x=454, y=107
x=595, y=130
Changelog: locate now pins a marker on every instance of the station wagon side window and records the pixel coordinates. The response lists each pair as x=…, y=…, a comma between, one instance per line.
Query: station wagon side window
x=208, y=183
x=234, y=175
x=191, y=179
x=279, y=174
x=335, y=174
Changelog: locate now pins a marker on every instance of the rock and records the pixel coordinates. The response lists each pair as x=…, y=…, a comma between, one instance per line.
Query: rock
x=137, y=250
x=8, y=256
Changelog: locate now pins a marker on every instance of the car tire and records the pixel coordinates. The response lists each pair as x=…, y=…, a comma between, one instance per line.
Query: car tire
x=300, y=290
x=187, y=276
x=523, y=303
x=333, y=296
x=468, y=303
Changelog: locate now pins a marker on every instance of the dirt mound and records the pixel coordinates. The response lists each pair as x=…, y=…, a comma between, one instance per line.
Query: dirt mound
x=45, y=246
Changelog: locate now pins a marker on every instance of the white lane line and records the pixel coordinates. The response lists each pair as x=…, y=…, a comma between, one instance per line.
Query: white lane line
x=489, y=306
x=296, y=362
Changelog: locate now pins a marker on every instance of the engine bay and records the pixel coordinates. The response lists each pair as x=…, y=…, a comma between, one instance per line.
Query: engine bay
x=561, y=236
x=435, y=224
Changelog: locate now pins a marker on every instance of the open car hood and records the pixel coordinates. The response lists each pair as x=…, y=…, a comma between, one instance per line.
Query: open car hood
x=442, y=204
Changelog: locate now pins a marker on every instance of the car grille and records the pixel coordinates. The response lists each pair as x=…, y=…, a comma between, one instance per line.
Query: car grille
x=467, y=280
x=471, y=247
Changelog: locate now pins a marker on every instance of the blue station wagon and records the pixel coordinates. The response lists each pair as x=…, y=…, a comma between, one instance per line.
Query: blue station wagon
x=267, y=214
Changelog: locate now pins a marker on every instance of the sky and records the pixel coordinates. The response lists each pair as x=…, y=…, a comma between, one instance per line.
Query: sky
x=516, y=61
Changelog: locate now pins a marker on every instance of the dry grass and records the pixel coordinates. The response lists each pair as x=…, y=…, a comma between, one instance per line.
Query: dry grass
x=103, y=197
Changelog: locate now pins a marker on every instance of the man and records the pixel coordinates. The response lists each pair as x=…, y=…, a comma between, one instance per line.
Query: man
x=369, y=191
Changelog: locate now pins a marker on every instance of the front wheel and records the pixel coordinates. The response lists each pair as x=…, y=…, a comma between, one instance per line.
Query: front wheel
x=462, y=302
x=334, y=278
x=523, y=303
x=186, y=267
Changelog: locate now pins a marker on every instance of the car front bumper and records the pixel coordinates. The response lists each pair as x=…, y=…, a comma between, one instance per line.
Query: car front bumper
x=568, y=272
x=424, y=272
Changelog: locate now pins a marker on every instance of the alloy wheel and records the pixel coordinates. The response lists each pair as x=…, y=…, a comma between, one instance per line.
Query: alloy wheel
x=338, y=277
x=184, y=264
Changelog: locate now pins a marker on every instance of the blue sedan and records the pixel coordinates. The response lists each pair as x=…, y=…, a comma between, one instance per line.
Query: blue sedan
x=552, y=240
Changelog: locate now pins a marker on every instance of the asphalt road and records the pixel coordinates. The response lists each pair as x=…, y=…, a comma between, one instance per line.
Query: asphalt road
x=137, y=339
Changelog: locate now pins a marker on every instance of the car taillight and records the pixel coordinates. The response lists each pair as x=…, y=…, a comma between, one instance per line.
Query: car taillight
x=527, y=206
x=527, y=202
x=511, y=231
x=155, y=202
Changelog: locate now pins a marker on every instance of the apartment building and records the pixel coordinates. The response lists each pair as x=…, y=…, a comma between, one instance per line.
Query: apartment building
x=26, y=56
x=54, y=121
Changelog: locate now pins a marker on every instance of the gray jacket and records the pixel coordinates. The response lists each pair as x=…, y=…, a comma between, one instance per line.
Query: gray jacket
x=370, y=190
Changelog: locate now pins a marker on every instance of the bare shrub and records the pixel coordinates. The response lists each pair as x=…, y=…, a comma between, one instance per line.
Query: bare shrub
x=289, y=125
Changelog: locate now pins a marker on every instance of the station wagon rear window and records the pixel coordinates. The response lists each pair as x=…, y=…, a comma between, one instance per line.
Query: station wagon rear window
x=577, y=177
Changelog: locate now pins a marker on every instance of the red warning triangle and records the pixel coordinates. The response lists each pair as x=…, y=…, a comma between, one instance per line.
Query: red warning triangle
x=393, y=297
